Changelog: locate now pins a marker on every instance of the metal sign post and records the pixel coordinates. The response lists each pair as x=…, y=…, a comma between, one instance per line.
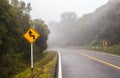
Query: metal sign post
x=31, y=35
x=32, y=60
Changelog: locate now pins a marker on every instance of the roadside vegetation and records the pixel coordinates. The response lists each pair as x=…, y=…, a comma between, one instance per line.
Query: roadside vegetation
x=110, y=49
x=91, y=28
x=15, y=20
x=44, y=68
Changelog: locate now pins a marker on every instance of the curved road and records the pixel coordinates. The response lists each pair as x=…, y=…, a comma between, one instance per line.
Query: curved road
x=80, y=63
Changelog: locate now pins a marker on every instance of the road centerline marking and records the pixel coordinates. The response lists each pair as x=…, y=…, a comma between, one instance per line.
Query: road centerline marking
x=109, y=64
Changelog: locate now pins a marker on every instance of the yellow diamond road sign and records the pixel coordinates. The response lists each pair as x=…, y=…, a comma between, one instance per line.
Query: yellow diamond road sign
x=31, y=35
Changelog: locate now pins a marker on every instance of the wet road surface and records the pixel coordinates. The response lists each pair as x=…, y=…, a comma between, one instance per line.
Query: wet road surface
x=80, y=63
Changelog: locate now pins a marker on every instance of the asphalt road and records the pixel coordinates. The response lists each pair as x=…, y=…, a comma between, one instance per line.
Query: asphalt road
x=79, y=63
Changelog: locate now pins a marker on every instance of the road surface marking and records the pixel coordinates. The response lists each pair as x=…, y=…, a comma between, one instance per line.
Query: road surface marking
x=60, y=65
x=109, y=64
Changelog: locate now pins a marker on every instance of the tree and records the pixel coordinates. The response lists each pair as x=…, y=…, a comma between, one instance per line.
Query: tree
x=14, y=49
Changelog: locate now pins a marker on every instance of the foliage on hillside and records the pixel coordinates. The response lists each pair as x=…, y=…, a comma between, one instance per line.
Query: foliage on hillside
x=14, y=49
x=111, y=49
x=92, y=28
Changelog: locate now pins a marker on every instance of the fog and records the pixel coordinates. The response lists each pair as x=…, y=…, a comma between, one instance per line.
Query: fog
x=73, y=30
x=49, y=10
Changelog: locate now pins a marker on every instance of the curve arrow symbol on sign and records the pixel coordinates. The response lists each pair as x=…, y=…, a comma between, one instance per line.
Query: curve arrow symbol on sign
x=30, y=33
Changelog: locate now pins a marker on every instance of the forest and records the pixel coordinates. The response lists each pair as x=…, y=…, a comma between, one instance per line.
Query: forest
x=15, y=20
x=90, y=29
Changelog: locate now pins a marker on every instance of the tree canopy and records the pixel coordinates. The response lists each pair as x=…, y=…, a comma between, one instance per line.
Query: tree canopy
x=15, y=20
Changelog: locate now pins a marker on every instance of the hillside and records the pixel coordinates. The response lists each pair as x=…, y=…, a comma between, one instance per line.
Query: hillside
x=92, y=28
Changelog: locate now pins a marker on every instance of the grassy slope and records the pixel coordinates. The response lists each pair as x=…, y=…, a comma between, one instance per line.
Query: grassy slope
x=42, y=69
x=111, y=49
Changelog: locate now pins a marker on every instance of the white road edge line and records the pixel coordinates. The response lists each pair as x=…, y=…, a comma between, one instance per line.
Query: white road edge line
x=60, y=65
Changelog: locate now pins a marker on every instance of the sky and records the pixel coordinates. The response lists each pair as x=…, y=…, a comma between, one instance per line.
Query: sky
x=50, y=10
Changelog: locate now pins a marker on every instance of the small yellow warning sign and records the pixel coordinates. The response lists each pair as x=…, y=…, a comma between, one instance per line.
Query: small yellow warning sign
x=105, y=43
x=31, y=35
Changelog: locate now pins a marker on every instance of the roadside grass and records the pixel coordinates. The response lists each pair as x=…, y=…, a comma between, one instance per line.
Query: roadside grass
x=110, y=49
x=45, y=68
